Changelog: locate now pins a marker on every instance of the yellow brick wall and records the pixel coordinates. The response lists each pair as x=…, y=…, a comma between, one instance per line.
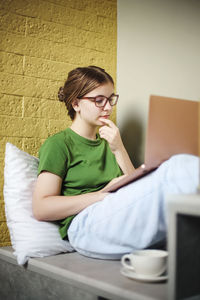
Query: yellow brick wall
x=40, y=42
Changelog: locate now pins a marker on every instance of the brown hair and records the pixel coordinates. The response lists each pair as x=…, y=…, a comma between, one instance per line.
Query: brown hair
x=80, y=82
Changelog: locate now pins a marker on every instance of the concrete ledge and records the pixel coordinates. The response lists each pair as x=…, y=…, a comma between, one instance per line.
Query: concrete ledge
x=70, y=276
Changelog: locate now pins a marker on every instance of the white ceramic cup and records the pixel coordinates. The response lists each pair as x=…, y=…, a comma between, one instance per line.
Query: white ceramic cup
x=147, y=262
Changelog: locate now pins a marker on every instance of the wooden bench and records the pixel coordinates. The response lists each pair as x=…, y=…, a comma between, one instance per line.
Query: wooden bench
x=70, y=276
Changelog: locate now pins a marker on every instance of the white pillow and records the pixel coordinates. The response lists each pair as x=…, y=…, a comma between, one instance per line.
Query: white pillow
x=29, y=237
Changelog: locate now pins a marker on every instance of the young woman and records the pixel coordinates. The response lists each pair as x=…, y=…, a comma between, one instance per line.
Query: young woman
x=78, y=163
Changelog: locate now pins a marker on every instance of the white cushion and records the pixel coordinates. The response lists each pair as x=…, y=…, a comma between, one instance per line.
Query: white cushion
x=29, y=237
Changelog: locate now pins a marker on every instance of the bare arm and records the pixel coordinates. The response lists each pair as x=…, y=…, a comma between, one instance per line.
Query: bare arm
x=111, y=133
x=49, y=205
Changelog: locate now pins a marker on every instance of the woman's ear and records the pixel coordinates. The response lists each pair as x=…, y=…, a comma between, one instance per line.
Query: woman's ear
x=75, y=105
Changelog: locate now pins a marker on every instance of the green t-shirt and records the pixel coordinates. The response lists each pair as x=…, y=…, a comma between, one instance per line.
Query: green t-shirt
x=84, y=165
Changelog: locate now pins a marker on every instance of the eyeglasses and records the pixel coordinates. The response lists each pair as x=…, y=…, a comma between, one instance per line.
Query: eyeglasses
x=101, y=101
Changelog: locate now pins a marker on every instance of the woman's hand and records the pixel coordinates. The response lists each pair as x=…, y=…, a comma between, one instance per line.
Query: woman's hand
x=111, y=134
x=113, y=181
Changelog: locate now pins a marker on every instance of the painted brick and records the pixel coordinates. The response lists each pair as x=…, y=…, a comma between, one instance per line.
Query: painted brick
x=79, y=55
x=70, y=3
x=26, y=46
x=27, y=127
x=4, y=235
x=43, y=108
x=2, y=178
x=32, y=145
x=34, y=8
x=93, y=40
x=85, y=38
x=105, y=8
x=10, y=105
x=63, y=32
x=107, y=26
x=21, y=7
x=7, y=241
x=12, y=23
x=3, y=228
x=68, y=54
x=63, y=15
x=34, y=127
x=11, y=63
x=63, y=113
x=68, y=35
x=74, y=17
x=41, y=68
x=2, y=211
x=102, y=8
x=29, y=86
x=113, y=116
x=2, y=204
x=1, y=184
x=61, y=52
x=58, y=125
x=89, y=6
x=6, y=139
x=1, y=181
x=47, y=49
x=79, y=5
x=45, y=11
x=112, y=59
x=5, y=4
x=45, y=30
x=92, y=57
x=1, y=169
x=86, y=21
x=106, y=45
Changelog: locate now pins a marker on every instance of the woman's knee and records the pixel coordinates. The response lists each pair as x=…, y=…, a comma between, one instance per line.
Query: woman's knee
x=183, y=172
x=183, y=158
x=181, y=162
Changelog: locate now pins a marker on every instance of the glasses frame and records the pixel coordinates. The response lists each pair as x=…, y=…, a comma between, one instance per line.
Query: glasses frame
x=93, y=99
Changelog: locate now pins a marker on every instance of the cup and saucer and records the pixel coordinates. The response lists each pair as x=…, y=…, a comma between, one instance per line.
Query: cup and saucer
x=147, y=265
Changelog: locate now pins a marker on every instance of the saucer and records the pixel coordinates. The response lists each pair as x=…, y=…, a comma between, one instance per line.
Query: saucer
x=144, y=278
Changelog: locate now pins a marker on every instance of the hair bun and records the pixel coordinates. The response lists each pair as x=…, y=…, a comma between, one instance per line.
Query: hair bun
x=61, y=95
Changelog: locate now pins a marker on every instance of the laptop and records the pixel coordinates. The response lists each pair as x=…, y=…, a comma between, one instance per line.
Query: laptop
x=172, y=129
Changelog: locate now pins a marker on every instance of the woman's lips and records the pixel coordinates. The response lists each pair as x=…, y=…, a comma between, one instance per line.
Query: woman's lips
x=106, y=117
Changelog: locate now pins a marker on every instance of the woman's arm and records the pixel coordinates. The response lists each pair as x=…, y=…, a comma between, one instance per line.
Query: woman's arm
x=49, y=205
x=111, y=134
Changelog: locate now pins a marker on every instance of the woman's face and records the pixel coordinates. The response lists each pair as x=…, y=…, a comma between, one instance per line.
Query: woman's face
x=89, y=112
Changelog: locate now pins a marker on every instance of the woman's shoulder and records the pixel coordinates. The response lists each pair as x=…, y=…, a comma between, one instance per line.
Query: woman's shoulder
x=57, y=140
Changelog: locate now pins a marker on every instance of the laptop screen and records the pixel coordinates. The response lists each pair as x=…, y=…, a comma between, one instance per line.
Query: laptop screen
x=172, y=128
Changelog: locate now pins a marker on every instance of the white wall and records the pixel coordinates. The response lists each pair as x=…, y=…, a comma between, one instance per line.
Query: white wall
x=158, y=53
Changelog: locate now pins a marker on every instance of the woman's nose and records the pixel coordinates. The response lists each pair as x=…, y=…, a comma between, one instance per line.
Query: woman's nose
x=107, y=106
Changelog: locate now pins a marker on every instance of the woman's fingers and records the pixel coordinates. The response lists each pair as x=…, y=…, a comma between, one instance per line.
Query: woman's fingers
x=107, y=122
x=111, y=134
x=107, y=133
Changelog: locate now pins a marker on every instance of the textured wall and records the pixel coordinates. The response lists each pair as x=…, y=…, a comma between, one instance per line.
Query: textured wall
x=40, y=41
